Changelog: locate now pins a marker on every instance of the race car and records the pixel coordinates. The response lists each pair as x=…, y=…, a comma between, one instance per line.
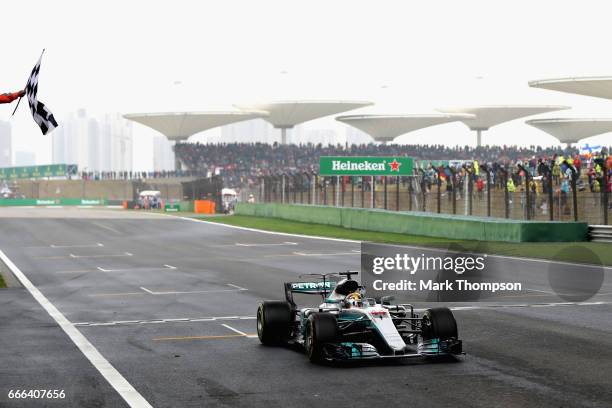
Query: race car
x=349, y=326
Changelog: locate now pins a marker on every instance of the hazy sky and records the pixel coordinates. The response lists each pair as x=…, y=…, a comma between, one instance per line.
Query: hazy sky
x=127, y=56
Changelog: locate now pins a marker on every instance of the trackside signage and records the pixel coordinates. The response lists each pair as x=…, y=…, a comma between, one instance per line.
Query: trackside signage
x=365, y=166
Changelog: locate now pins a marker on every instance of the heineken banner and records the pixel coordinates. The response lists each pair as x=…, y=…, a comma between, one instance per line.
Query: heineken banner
x=26, y=172
x=365, y=166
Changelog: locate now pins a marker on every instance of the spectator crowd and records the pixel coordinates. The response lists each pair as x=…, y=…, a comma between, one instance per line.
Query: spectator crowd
x=240, y=164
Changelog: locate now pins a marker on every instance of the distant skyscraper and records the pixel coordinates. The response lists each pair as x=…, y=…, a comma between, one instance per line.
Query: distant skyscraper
x=6, y=146
x=92, y=144
x=25, y=158
x=163, y=155
x=248, y=131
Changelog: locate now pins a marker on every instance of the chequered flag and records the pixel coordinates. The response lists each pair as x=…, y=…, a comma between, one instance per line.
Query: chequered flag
x=42, y=116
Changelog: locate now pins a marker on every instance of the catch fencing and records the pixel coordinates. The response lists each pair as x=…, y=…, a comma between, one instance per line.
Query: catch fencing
x=490, y=194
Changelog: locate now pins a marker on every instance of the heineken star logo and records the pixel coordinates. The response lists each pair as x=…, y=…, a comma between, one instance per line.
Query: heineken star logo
x=395, y=165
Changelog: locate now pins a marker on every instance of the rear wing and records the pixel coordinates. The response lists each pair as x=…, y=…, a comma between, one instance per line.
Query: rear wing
x=322, y=288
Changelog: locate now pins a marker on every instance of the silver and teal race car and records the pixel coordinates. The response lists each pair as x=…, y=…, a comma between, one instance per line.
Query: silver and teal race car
x=349, y=326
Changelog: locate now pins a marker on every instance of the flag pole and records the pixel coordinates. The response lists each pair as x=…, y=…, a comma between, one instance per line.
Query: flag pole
x=19, y=101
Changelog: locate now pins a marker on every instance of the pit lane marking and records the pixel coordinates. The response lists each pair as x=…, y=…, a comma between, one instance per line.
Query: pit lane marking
x=106, y=227
x=263, y=245
x=54, y=246
x=101, y=269
x=156, y=321
x=352, y=252
x=227, y=326
x=236, y=289
x=213, y=319
x=223, y=336
x=151, y=292
x=101, y=255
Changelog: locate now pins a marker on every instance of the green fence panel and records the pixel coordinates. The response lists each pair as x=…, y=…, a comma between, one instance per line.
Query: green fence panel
x=424, y=224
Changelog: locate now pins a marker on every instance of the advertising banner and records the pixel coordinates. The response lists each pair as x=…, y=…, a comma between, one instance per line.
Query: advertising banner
x=365, y=166
x=27, y=172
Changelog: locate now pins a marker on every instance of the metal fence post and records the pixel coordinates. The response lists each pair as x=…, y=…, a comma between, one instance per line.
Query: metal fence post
x=385, y=190
x=454, y=194
x=373, y=195
x=439, y=194
x=574, y=176
x=301, y=176
x=397, y=196
x=410, y=192
x=506, y=195
x=342, y=191
x=362, y=192
x=549, y=178
x=604, y=188
x=470, y=192
x=527, y=193
x=324, y=190
x=352, y=191
x=424, y=192
x=487, y=170
x=333, y=181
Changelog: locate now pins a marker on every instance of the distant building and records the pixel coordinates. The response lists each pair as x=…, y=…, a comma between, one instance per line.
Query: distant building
x=6, y=146
x=163, y=154
x=92, y=144
x=25, y=158
x=248, y=131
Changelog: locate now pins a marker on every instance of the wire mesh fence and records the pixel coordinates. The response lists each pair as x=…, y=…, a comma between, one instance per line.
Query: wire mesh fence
x=511, y=195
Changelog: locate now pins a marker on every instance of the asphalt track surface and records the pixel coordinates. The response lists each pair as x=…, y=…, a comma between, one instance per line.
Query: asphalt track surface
x=170, y=304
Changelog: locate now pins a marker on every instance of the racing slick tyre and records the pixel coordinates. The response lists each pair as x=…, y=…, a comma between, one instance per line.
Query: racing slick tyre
x=274, y=319
x=438, y=323
x=321, y=328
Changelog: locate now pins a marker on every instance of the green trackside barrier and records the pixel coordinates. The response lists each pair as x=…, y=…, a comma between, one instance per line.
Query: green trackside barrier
x=426, y=224
x=84, y=201
x=186, y=206
x=172, y=207
x=21, y=202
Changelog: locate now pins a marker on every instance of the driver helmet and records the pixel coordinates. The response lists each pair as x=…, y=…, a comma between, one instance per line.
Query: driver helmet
x=354, y=299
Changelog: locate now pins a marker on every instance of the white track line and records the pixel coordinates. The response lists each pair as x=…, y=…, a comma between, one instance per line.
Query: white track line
x=227, y=326
x=101, y=256
x=110, y=373
x=236, y=286
x=325, y=254
x=96, y=245
x=263, y=245
x=106, y=227
x=423, y=248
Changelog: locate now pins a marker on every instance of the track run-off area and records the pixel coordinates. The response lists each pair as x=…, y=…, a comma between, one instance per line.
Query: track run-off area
x=122, y=308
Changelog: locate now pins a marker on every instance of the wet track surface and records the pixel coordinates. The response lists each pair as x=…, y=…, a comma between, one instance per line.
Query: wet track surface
x=170, y=304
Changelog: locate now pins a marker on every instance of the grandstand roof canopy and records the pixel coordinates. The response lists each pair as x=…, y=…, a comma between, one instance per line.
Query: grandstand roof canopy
x=600, y=87
x=489, y=116
x=571, y=130
x=384, y=128
x=287, y=114
x=182, y=125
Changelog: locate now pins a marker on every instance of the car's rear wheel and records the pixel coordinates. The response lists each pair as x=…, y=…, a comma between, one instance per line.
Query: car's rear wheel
x=321, y=328
x=274, y=319
x=438, y=323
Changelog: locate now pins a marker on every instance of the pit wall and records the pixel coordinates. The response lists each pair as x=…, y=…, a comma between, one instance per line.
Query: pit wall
x=30, y=202
x=171, y=189
x=425, y=224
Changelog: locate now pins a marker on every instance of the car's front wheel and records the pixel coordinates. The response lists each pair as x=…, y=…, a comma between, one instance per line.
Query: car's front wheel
x=274, y=319
x=321, y=328
x=438, y=323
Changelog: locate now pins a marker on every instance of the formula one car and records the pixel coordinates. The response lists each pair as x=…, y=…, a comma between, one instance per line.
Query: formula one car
x=348, y=326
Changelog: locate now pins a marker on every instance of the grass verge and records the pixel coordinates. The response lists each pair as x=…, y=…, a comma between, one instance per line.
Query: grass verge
x=2, y=284
x=579, y=252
